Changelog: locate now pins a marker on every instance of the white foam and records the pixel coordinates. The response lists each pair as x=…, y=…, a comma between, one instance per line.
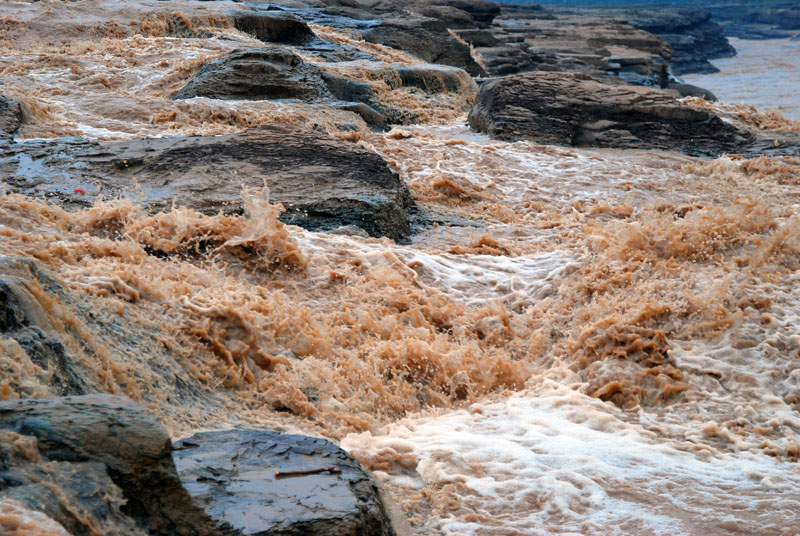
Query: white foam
x=554, y=461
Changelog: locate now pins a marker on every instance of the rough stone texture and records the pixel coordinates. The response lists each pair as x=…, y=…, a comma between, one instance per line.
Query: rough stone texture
x=10, y=117
x=323, y=183
x=273, y=26
x=260, y=73
x=693, y=36
x=481, y=10
x=232, y=474
x=572, y=42
x=576, y=109
x=427, y=39
x=103, y=445
x=431, y=79
x=23, y=319
x=688, y=90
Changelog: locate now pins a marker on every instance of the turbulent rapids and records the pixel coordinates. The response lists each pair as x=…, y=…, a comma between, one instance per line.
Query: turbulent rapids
x=574, y=341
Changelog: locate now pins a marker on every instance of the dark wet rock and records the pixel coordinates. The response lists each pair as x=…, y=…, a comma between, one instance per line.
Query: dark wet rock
x=689, y=90
x=371, y=116
x=273, y=26
x=425, y=38
x=265, y=483
x=113, y=459
x=694, y=37
x=452, y=17
x=431, y=79
x=576, y=109
x=480, y=10
x=23, y=319
x=479, y=38
x=322, y=182
x=260, y=73
x=10, y=117
x=574, y=42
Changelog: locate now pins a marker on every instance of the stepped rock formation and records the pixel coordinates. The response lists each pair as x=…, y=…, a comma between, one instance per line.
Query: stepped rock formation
x=576, y=109
x=323, y=183
x=694, y=37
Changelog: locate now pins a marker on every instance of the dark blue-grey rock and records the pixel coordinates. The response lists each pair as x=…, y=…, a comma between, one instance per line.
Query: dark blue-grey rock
x=108, y=457
x=10, y=117
x=273, y=26
x=264, y=483
x=576, y=109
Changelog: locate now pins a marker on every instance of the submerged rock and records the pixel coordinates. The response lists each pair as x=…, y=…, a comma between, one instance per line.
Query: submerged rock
x=260, y=73
x=10, y=117
x=23, y=319
x=323, y=183
x=266, y=483
x=576, y=109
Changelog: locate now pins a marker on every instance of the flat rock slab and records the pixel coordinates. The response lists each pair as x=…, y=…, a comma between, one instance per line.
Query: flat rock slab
x=267, y=484
x=576, y=109
x=323, y=183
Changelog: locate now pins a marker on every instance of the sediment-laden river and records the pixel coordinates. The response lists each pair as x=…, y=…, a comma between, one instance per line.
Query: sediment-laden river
x=591, y=341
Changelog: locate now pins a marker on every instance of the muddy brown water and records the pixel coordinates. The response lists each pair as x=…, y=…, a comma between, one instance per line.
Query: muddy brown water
x=607, y=343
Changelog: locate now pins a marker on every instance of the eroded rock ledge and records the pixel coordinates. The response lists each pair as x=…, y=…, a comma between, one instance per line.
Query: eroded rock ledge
x=576, y=109
x=323, y=183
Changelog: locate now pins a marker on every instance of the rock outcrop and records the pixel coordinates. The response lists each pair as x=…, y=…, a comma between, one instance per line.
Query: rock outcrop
x=576, y=109
x=526, y=40
x=10, y=117
x=323, y=183
x=23, y=319
x=96, y=464
x=694, y=37
x=273, y=73
x=260, y=73
x=426, y=38
x=273, y=26
x=265, y=483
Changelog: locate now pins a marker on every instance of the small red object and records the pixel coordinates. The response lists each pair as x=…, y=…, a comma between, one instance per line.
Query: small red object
x=78, y=190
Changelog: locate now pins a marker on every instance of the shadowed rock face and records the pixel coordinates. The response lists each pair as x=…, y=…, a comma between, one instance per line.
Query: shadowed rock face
x=264, y=483
x=273, y=27
x=322, y=182
x=576, y=109
x=10, y=117
x=98, y=464
x=693, y=36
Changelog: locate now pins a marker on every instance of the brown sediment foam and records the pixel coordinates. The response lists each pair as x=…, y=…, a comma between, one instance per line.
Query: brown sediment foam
x=748, y=115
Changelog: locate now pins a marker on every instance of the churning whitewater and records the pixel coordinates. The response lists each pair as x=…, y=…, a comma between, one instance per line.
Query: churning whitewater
x=582, y=341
